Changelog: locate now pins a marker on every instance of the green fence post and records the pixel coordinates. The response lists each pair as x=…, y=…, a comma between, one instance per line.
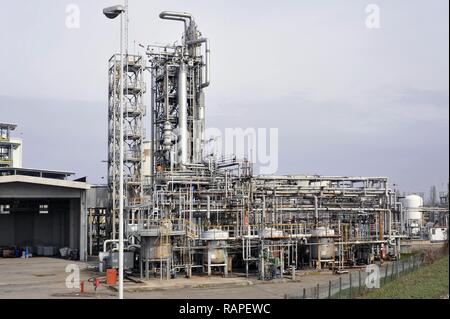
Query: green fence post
x=329, y=290
x=386, y=273
x=318, y=291
x=396, y=270
x=340, y=287
x=350, y=276
x=392, y=271
x=359, y=283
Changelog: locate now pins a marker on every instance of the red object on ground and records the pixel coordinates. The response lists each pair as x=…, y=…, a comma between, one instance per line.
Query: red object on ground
x=82, y=287
x=111, y=277
x=96, y=283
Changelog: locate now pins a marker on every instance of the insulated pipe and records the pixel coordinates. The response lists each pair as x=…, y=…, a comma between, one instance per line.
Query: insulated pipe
x=209, y=210
x=134, y=246
x=177, y=16
x=183, y=115
x=390, y=224
x=316, y=209
x=207, y=59
x=105, y=244
x=402, y=219
x=115, y=241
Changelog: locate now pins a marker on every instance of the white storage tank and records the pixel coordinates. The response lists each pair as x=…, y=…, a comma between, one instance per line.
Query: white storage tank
x=216, y=253
x=324, y=248
x=412, y=205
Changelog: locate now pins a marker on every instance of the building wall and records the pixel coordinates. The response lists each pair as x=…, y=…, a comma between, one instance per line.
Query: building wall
x=17, y=153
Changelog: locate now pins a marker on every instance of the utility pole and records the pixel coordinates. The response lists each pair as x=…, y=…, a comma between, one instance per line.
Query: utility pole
x=112, y=13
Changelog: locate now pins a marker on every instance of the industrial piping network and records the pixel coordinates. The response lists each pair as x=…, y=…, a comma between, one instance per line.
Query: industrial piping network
x=200, y=214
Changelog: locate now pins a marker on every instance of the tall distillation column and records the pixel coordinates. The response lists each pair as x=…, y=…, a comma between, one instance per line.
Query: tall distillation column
x=180, y=74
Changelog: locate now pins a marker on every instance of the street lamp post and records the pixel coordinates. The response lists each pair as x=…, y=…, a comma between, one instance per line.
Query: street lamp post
x=112, y=13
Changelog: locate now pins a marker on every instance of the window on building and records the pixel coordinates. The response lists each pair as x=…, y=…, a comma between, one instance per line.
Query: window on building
x=3, y=133
x=5, y=209
x=4, y=153
x=43, y=209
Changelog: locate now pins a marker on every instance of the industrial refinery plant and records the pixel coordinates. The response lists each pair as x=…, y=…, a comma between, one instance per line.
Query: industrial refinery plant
x=170, y=208
x=189, y=213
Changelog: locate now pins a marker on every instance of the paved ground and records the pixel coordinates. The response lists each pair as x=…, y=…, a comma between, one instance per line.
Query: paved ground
x=45, y=278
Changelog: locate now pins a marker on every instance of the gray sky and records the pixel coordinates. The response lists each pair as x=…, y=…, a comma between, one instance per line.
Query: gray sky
x=347, y=100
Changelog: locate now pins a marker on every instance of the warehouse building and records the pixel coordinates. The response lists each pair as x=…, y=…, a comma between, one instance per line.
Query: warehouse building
x=40, y=209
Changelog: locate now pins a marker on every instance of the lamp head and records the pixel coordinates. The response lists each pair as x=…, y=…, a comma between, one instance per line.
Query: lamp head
x=113, y=12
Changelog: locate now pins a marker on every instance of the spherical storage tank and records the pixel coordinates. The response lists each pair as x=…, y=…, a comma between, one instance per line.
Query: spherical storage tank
x=412, y=205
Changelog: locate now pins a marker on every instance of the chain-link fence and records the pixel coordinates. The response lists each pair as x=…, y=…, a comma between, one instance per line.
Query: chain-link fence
x=357, y=282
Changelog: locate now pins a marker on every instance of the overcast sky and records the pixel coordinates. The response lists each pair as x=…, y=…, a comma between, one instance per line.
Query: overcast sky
x=347, y=100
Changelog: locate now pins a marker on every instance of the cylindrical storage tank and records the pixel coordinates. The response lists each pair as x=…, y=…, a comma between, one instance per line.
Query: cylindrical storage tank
x=412, y=205
x=216, y=243
x=323, y=244
x=218, y=255
x=161, y=252
x=152, y=249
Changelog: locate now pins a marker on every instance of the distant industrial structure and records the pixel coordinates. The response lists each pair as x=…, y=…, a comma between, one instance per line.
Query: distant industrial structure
x=10, y=147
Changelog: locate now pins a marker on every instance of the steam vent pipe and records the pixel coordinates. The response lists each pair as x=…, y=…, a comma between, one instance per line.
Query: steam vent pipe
x=176, y=16
x=207, y=59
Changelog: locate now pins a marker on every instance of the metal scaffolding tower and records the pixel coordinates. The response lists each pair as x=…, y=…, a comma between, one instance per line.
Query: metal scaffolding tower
x=134, y=134
x=7, y=146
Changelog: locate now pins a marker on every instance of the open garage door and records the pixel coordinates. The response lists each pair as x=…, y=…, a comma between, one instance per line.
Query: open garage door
x=37, y=224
